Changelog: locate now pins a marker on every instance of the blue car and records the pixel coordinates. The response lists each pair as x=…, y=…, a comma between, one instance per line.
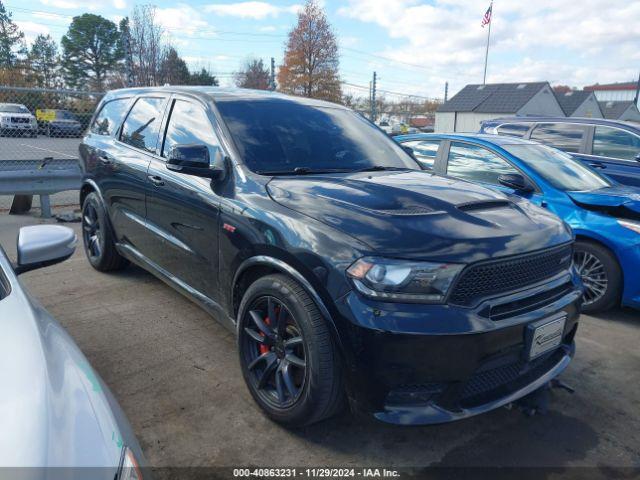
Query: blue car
x=612, y=147
x=604, y=215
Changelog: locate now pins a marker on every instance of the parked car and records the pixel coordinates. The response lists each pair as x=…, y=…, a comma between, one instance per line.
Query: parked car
x=55, y=411
x=58, y=123
x=612, y=147
x=17, y=120
x=340, y=265
x=385, y=126
x=604, y=215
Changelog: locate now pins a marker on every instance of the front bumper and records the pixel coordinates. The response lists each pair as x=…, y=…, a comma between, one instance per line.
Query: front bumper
x=18, y=127
x=426, y=364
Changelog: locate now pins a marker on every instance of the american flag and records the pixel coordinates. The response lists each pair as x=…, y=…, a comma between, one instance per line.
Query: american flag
x=486, y=20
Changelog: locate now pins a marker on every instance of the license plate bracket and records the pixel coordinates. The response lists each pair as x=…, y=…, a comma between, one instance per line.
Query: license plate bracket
x=544, y=335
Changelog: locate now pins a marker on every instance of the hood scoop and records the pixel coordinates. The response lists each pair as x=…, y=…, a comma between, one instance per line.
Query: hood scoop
x=483, y=205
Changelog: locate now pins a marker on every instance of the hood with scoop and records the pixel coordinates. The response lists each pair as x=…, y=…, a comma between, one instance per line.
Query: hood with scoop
x=413, y=214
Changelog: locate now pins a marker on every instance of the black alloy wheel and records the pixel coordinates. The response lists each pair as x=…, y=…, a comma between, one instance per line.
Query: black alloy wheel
x=274, y=353
x=91, y=231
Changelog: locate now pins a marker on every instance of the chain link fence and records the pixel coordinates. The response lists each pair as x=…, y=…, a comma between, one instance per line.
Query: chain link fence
x=38, y=126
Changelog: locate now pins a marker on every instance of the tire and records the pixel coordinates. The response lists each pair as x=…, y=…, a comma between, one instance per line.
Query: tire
x=310, y=394
x=598, y=266
x=97, y=236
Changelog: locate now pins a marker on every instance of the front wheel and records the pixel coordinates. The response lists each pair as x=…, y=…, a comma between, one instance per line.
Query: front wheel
x=288, y=357
x=600, y=274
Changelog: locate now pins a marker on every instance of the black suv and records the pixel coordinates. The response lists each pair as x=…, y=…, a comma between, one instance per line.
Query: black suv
x=345, y=270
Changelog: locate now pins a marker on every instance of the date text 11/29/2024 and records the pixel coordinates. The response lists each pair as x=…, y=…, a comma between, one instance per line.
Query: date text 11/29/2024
x=315, y=472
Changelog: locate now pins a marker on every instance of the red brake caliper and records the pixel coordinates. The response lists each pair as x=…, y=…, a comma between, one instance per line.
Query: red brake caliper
x=264, y=348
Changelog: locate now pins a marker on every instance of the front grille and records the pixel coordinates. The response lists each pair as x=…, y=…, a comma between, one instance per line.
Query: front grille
x=19, y=120
x=487, y=385
x=496, y=277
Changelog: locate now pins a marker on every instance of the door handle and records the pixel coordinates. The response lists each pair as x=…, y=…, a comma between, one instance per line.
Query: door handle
x=597, y=165
x=156, y=180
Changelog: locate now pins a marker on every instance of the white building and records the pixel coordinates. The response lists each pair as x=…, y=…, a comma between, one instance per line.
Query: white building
x=579, y=103
x=614, y=92
x=476, y=103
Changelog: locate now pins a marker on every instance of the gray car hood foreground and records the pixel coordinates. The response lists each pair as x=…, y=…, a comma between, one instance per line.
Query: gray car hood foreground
x=54, y=409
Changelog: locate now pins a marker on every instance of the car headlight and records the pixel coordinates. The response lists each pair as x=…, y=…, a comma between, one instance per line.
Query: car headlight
x=630, y=224
x=403, y=280
x=129, y=468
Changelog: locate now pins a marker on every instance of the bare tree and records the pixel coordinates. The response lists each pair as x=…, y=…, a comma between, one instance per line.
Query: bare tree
x=148, y=46
x=311, y=60
x=253, y=74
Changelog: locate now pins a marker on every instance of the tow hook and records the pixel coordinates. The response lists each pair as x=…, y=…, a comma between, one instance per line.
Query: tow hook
x=537, y=402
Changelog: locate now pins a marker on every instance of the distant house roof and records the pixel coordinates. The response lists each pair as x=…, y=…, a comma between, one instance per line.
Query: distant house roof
x=613, y=110
x=493, y=97
x=612, y=86
x=571, y=100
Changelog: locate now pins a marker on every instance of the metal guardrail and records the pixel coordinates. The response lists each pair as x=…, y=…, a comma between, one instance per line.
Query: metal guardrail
x=39, y=177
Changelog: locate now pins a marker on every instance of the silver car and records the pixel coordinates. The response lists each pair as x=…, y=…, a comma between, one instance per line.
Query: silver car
x=55, y=411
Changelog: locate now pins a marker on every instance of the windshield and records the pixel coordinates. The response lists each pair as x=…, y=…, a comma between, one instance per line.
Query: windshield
x=276, y=136
x=64, y=115
x=5, y=108
x=558, y=168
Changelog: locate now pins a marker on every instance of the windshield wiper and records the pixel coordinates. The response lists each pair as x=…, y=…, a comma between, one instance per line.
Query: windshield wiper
x=380, y=168
x=303, y=171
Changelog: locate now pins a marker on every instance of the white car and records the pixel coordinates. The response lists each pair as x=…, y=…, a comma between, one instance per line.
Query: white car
x=16, y=120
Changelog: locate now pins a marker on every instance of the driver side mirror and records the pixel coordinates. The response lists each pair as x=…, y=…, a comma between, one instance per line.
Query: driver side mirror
x=200, y=160
x=516, y=182
x=43, y=245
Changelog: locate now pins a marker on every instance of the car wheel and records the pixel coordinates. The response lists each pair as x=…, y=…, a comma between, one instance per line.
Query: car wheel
x=287, y=354
x=99, y=245
x=601, y=276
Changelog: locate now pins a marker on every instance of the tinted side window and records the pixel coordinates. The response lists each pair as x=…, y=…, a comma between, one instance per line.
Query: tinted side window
x=514, y=129
x=110, y=116
x=476, y=164
x=425, y=151
x=565, y=136
x=141, y=127
x=188, y=124
x=615, y=143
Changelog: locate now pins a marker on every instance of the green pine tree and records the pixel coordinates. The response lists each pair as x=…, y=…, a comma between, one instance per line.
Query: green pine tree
x=11, y=40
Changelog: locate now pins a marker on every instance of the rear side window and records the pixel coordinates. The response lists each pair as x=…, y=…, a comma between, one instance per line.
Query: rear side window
x=425, y=151
x=142, y=125
x=110, y=116
x=615, y=143
x=476, y=164
x=565, y=136
x=188, y=125
x=518, y=130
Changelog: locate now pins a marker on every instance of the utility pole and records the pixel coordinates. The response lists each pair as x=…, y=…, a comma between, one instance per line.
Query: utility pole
x=373, y=97
x=128, y=59
x=446, y=91
x=272, y=79
x=486, y=54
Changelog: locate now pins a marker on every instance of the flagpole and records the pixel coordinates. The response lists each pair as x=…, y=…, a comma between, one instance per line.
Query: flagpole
x=486, y=54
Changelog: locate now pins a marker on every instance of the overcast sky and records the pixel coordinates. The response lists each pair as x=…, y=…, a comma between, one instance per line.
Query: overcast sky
x=415, y=46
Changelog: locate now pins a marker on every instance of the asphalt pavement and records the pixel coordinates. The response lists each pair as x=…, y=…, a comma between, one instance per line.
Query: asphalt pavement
x=175, y=371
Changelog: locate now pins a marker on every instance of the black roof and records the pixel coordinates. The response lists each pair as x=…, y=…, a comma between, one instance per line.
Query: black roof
x=493, y=97
x=571, y=100
x=218, y=93
x=614, y=109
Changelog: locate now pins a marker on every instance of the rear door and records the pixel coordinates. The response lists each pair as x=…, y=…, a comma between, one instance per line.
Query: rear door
x=182, y=209
x=615, y=152
x=125, y=164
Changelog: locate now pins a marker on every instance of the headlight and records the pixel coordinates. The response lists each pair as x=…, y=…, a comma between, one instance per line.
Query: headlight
x=403, y=280
x=630, y=224
x=129, y=468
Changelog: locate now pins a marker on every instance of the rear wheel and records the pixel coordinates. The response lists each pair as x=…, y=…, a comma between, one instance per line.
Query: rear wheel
x=288, y=357
x=99, y=245
x=601, y=276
